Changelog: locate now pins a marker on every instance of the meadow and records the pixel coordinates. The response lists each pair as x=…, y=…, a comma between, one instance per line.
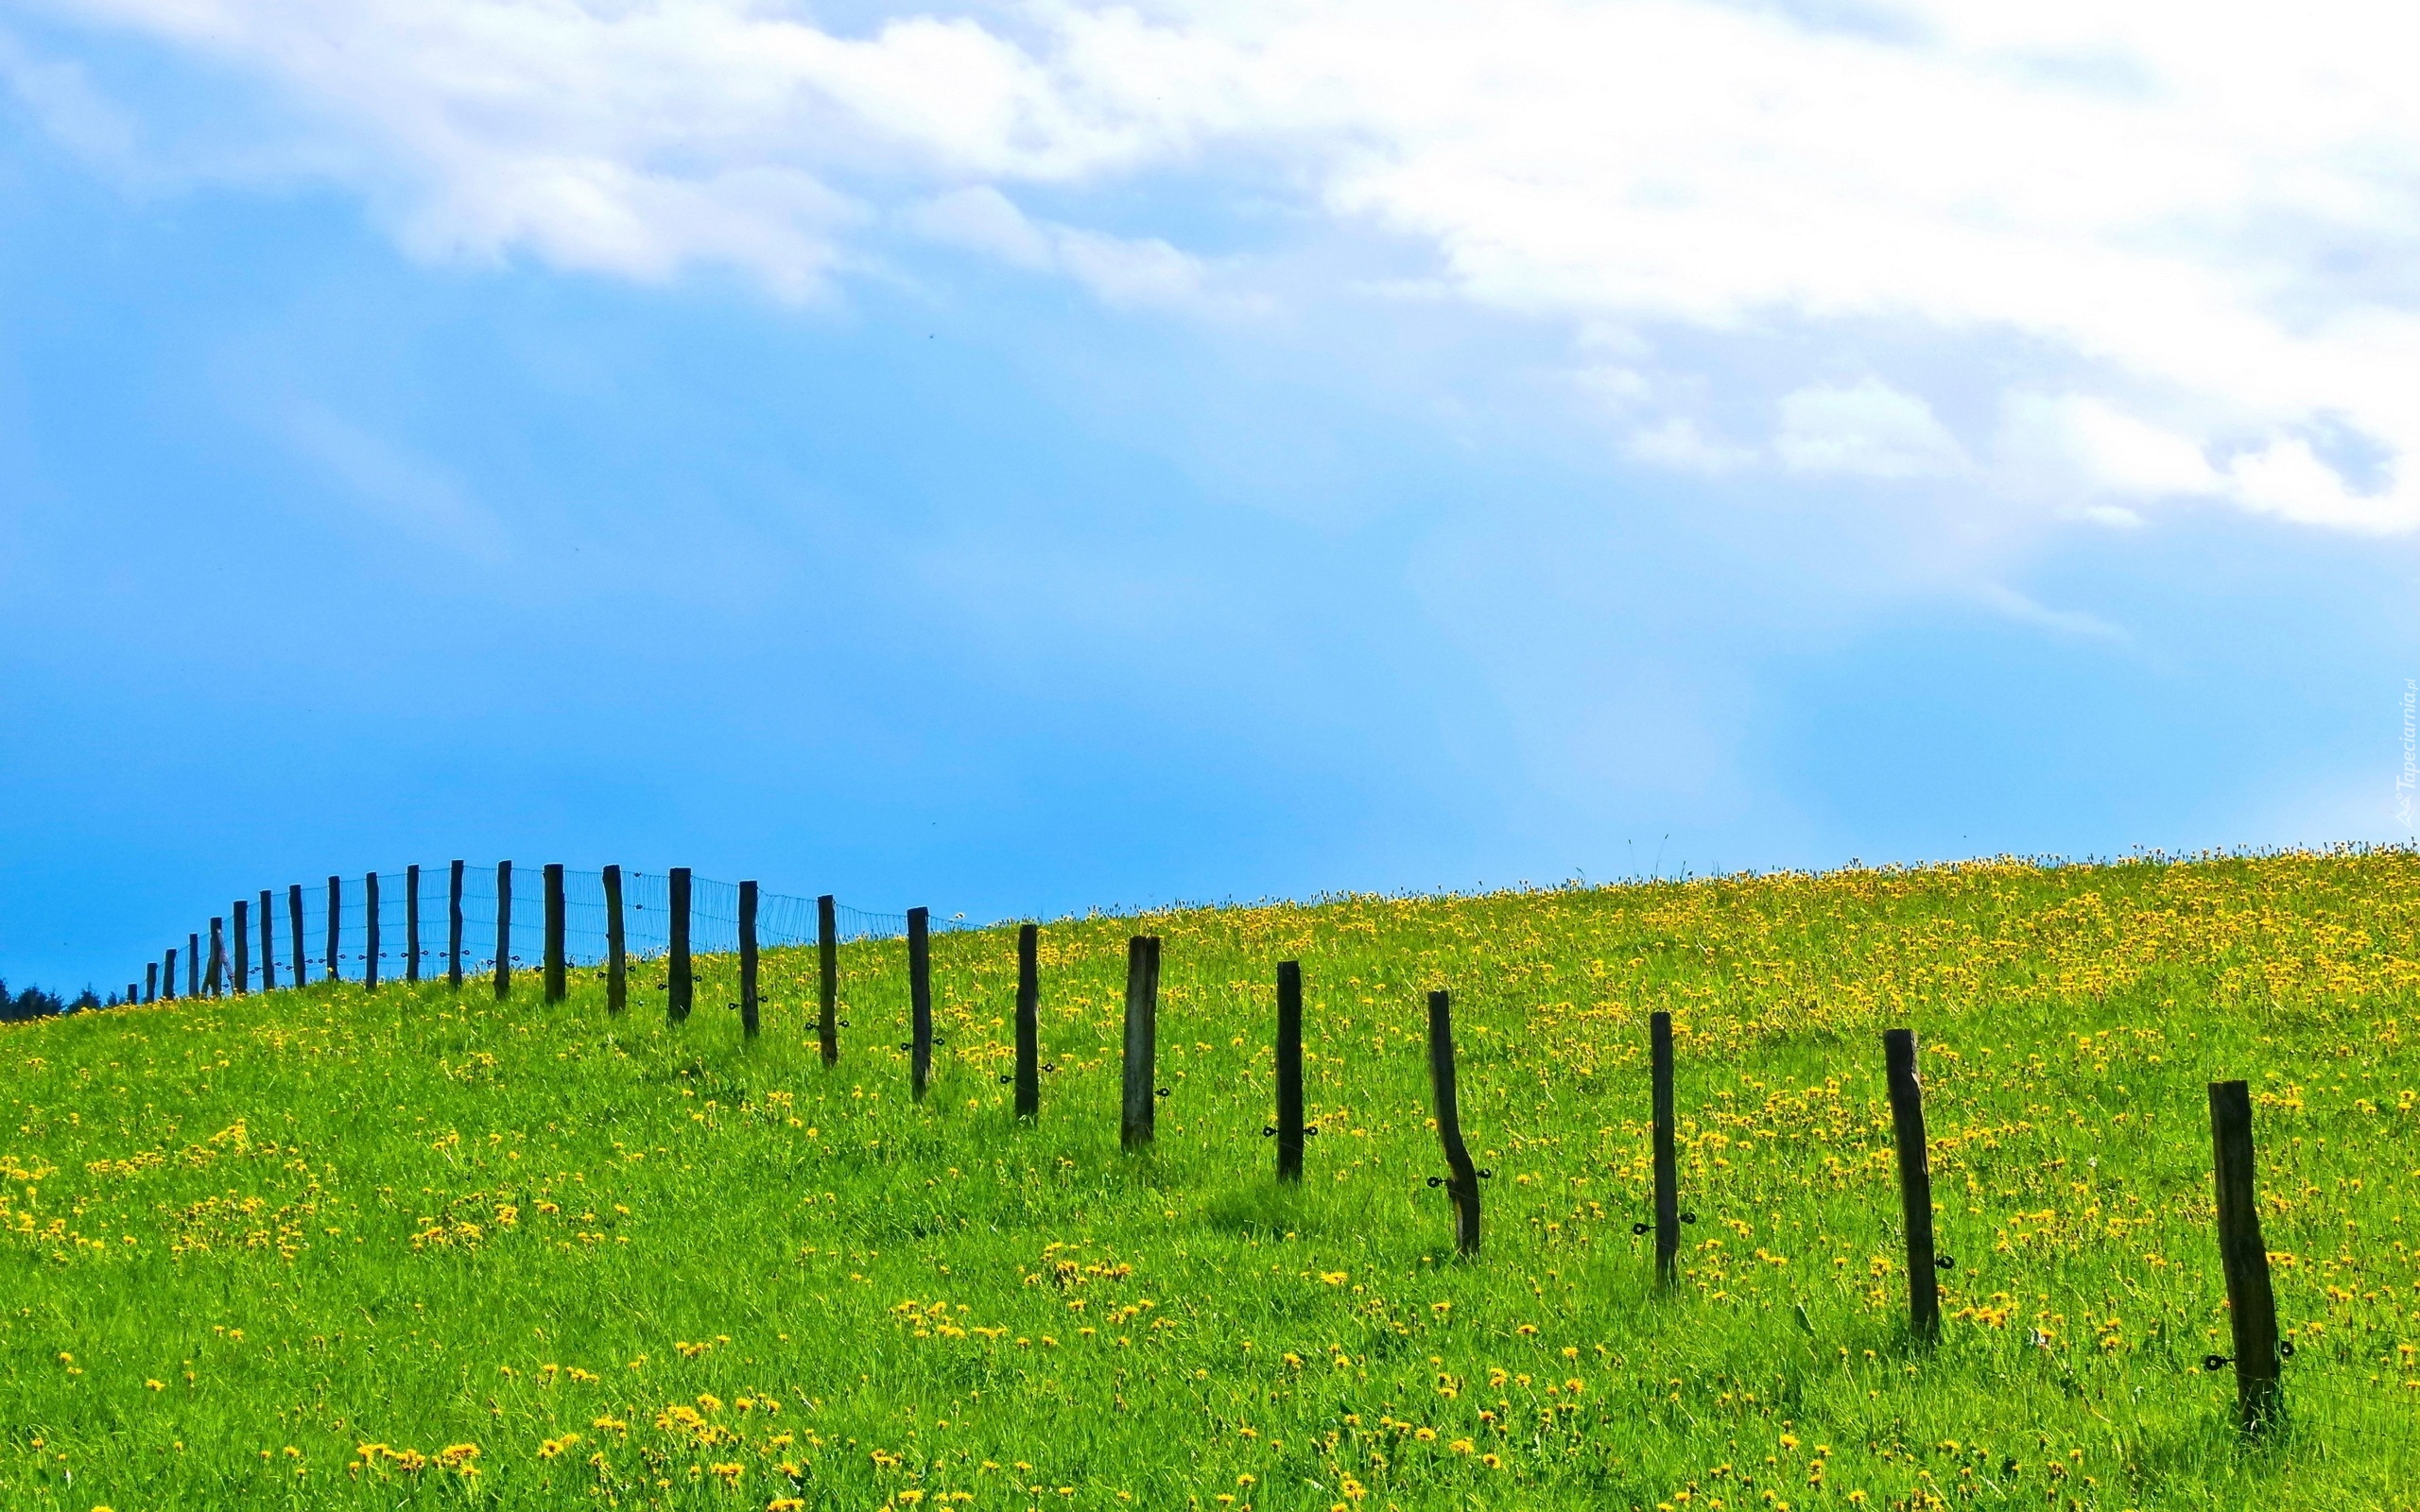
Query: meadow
x=334, y=1248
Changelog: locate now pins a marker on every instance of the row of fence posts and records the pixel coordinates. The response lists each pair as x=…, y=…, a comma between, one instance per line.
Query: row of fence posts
x=2251, y=1304
x=231, y=969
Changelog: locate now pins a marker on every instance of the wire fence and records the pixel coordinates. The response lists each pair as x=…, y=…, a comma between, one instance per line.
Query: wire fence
x=330, y=932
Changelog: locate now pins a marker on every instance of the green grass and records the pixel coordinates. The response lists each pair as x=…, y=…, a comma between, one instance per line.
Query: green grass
x=244, y=1239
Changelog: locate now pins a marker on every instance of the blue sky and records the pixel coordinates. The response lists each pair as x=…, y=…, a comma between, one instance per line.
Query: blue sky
x=1026, y=459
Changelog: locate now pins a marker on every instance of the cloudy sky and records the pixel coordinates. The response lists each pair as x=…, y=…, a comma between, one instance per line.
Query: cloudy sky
x=1023, y=457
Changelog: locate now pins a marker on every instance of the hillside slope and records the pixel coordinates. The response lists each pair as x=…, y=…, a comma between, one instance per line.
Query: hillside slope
x=335, y=1249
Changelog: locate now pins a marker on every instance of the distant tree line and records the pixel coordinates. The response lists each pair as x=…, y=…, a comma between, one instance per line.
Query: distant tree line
x=33, y=1002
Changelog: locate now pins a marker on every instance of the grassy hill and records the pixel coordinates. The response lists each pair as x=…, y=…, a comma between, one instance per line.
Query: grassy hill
x=334, y=1248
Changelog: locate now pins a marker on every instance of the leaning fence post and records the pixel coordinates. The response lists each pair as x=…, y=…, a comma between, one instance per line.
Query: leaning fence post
x=240, y=975
x=617, y=971
x=2252, y=1306
x=1029, y=1022
x=411, y=924
x=193, y=965
x=920, y=1001
x=1289, y=1070
x=554, y=987
x=1463, y=1185
x=1139, y=1114
x=370, y=931
x=218, y=957
x=1915, y=1181
x=678, y=985
x=748, y=959
x=827, y=951
x=454, y=928
x=1667, y=1179
x=294, y=931
x=503, y=929
x=335, y=915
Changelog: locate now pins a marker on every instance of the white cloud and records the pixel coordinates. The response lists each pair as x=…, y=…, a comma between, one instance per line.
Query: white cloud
x=1120, y=271
x=1865, y=429
x=2079, y=445
x=1678, y=444
x=2183, y=233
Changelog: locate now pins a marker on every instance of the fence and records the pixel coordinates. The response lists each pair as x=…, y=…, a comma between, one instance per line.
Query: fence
x=612, y=917
x=414, y=925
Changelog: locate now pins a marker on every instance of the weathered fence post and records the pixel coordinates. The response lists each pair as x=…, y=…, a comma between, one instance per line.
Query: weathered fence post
x=1029, y=1071
x=336, y=920
x=218, y=957
x=920, y=1001
x=827, y=952
x=411, y=924
x=503, y=929
x=454, y=927
x=294, y=932
x=1138, y=1115
x=1463, y=1185
x=1915, y=1181
x=1668, y=1176
x=555, y=986
x=240, y=976
x=370, y=931
x=169, y=975
x=193, y=965
x=678, y=985
x=618, y=969
x=152, y=982
x=1289, y=1070
x=748, y=959
x=2252, y=1306
x=268, y=940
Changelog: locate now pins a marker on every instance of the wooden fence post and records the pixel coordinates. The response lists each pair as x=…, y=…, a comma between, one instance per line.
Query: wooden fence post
x=454, y=928
x=169, y=975
x=294, y=931
x=193, y=965
x=1029, y=1071
x=336, y=917
x=370, y=931
x=1915, y=1181
x=617, y=969
x=240, y=975
x=678, y=985
x=218, y=957
x=1138, y=1117
x=268, y=940
x=827, y=951
x=555, y=984
x=2252, y=1306
x=1463, y=1185
x=503, y=929
x=1668, y=1176
x=679, y=988
x=1289, y=1070
x=152, y=982
x=920, y=1001
x=748, y=959
x=411, y=924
